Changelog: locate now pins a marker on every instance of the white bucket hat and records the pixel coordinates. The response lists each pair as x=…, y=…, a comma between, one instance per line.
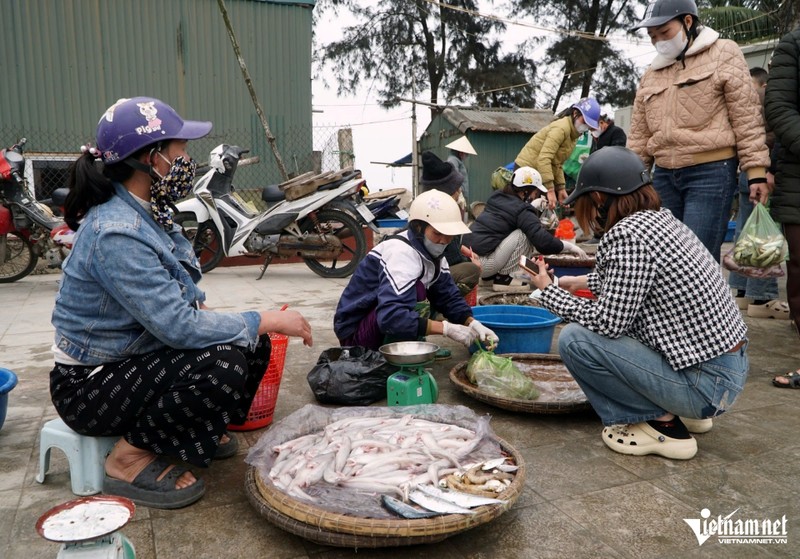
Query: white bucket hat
x=440, y=211
x=462, y=145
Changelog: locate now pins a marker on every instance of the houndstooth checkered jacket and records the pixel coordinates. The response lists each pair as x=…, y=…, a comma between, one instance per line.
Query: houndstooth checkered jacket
x=656, y=283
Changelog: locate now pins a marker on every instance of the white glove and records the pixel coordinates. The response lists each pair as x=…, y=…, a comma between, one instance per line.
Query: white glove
x=574, y=249
x=484, y=334
x=540, y=204
x=462, y=334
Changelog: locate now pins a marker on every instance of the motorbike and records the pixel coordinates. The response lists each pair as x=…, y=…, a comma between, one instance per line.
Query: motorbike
x=323, y=227
x=29, y=229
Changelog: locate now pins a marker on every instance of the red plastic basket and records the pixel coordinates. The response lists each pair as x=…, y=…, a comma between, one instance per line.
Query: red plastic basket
x=472, y=297
x=263, y=406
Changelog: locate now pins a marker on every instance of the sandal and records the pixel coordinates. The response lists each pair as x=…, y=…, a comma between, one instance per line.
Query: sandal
x=772, y=309
x=147, y=490
x=228, y=449
x=640, y=439
x=792, y=380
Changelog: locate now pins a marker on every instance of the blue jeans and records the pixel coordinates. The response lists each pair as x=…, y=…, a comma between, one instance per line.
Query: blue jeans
x=754, y=288
x=627, y=382
x=700, y=196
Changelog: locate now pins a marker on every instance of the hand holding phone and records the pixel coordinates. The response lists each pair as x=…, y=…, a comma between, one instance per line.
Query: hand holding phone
x=528, y=265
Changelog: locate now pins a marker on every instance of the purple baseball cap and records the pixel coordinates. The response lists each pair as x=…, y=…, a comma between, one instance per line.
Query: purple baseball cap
x=132, y=124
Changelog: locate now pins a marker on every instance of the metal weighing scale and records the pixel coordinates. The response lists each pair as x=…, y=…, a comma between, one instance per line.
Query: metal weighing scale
x=88, y=528
x=413, y=384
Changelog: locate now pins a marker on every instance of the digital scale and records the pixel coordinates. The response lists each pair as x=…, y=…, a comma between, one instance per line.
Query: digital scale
x=411, y=385
x=88, y=528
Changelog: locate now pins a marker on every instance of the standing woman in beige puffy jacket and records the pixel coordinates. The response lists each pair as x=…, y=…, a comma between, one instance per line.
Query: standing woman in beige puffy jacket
x=697, y=116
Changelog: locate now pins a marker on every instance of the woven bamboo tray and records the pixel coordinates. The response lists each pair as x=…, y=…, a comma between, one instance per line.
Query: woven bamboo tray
x=330, y=528
x=509, y=299
x=542, y=368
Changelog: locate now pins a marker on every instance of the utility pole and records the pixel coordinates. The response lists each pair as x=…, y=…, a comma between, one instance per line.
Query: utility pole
x=249, y=82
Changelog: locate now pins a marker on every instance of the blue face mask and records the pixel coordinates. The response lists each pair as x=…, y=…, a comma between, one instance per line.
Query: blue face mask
x=434, y=249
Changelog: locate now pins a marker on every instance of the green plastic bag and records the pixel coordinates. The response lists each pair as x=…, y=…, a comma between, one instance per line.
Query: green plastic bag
x=760, y=249
x=499, y=376
x=572, y=165
x=501, y=177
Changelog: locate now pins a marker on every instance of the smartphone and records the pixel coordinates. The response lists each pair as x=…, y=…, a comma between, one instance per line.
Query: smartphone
x=528, y=265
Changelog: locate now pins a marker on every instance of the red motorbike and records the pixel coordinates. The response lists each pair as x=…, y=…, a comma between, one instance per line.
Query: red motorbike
x=29, y=230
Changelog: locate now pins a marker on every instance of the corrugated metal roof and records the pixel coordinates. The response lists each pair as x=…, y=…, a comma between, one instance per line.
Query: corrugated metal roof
x=498, y=120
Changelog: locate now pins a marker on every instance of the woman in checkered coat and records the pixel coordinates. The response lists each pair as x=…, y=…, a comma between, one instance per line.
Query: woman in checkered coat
x=662, y=348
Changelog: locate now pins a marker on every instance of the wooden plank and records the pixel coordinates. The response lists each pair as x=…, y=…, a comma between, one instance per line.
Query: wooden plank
x=296, y=180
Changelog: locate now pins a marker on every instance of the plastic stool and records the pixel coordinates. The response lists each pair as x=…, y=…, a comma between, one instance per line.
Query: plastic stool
x=86, y=456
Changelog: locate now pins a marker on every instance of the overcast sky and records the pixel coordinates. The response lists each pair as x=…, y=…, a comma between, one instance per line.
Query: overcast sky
x=381, y=135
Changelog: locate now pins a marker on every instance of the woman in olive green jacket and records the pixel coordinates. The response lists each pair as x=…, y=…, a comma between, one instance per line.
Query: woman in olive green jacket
x=547, y=150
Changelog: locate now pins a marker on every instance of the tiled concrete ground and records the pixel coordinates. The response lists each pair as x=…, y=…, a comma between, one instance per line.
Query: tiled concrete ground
x=580, y=501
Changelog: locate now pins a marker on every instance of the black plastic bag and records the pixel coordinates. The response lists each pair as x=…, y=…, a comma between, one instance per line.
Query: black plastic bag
x=350, y=376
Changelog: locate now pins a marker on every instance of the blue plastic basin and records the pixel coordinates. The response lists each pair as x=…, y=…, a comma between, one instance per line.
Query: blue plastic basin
x=8, y=381
x=521, y=329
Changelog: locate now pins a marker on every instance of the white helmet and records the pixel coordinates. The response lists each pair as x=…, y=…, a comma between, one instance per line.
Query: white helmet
x=462, y=145
x=527, y=177
x=440, y=211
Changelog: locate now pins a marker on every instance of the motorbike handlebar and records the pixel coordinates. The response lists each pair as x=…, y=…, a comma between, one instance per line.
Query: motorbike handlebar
x=204, y=167
x=19, y=145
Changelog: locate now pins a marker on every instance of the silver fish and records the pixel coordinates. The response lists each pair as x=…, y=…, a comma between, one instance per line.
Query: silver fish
x=436, y=504
x=458, y=498
x=406, y=511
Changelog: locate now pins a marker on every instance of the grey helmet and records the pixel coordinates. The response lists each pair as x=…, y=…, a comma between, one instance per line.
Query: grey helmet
x=662, y=11
x=614, y=170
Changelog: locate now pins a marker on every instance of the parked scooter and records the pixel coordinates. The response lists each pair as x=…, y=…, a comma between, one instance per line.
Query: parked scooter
x=323, y=227
x=28, y=229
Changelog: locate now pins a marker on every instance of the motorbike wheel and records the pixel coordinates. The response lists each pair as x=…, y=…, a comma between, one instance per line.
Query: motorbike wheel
x=204, y=238
x=18, y=258
x=345, y=227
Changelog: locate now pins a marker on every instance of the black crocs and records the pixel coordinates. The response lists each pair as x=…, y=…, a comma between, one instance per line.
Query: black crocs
x=147, y=490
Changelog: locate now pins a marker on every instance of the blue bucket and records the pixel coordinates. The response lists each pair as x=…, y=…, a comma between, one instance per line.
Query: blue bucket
x=521, y=329
x=8, y=381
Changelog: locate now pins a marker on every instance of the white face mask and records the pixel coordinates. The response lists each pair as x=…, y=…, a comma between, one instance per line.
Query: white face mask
x=580, y=127
x=434, y=249
x=595, y=133
x=674, y=47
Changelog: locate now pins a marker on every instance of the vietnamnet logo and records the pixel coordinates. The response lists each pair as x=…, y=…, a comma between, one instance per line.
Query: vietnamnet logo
x=729, y=530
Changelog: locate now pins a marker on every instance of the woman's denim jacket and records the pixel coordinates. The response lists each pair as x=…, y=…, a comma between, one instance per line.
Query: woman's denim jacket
x=129, y=288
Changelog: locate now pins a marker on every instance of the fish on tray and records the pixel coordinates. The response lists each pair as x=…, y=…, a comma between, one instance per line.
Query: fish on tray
x=437, y=504
x=405, y=510
x=458, y=498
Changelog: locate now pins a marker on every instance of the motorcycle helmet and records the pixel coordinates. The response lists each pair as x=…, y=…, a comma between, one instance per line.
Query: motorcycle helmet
x=440, y=211
x=613, y=170
x=590, y=109
x=527, y=177
x=662, y=11
x=132, y=124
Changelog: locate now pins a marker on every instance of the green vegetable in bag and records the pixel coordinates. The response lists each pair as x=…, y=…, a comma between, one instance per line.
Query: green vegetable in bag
x=760, y=244
x=499, y=376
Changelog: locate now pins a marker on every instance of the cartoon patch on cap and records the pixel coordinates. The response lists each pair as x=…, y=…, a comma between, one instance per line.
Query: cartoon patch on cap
x=109, y=114
x=150, y=113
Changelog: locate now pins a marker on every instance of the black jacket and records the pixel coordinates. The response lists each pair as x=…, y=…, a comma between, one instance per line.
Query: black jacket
x=503, y=214
x=782, y=109
x=613, y=136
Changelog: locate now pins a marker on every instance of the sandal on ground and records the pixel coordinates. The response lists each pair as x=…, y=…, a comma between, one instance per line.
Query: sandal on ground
x=742, y=303
x=698, y=425
x=792, y=380
x=148, y=491
x=772, y=309
x=442, y=354
x=228, y=449
x=641, y=439
x=507, y=284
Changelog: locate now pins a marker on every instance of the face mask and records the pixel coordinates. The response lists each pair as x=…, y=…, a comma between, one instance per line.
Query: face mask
x=672, y=48
x=434, y=249
x=173, y=186
x=582, y=127
x=595, y=134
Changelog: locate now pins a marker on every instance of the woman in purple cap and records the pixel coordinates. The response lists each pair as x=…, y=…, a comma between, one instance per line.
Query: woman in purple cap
x=137, y=353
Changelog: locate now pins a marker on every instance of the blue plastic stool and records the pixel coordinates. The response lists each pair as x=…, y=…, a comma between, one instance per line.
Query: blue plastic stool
x=86, y=456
